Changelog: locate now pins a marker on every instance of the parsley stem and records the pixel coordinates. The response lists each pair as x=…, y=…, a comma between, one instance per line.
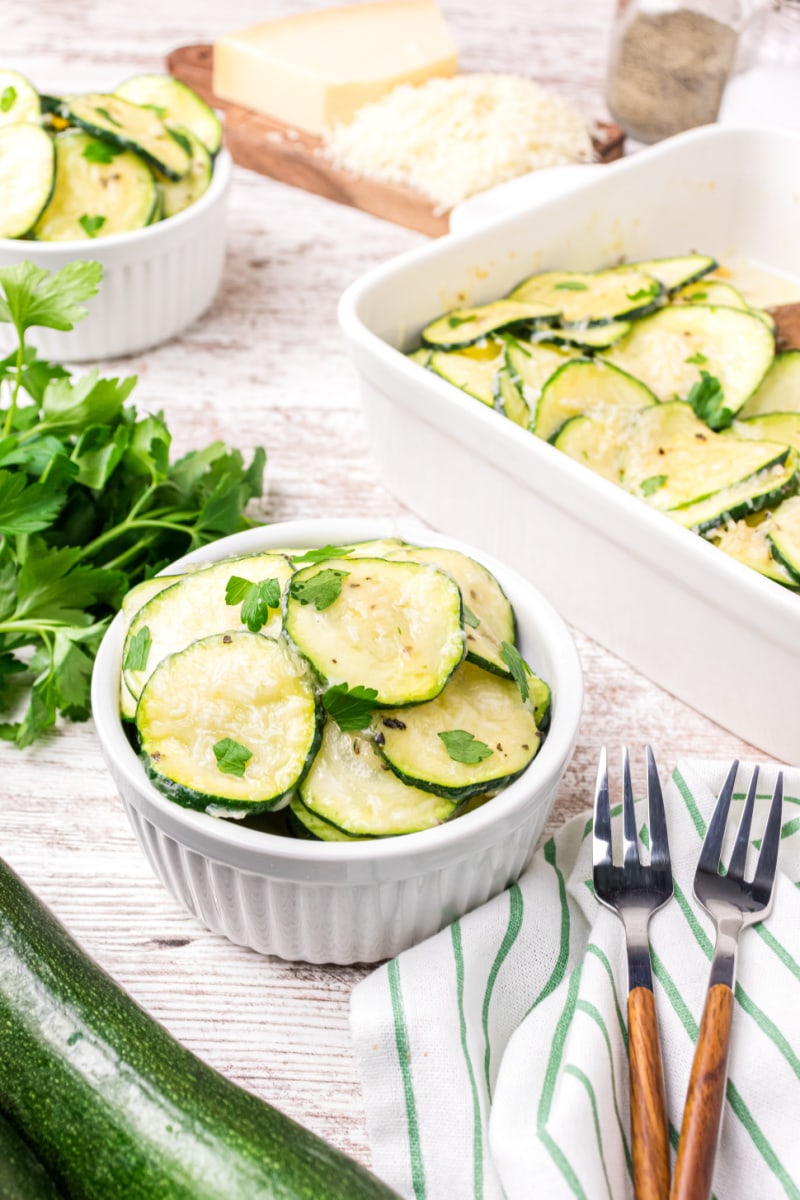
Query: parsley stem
x=12, y=408
x=127, y=526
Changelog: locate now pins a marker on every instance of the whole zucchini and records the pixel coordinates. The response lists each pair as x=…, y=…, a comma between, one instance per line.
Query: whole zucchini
x=114, y=1107
x=22, y=1176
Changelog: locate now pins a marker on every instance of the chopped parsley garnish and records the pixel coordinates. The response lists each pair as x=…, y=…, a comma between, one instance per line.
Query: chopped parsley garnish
x=455, y=321
x=138, y=650
x=100, y=152
x=107, y=115
x=321, y=589
x=350, y=708
x=470, y=618
x=315, y=556
x=8, y=99
x=158, y=109
x=91, y=225
x=232, y=757
x=256, y=599
x=642, y=294
x=464, y=747
x=518, y=667
x=181, y=139
x=652, y=484
x=571, y=285
x=697, y=359
x=699, y=296
x=707, y=399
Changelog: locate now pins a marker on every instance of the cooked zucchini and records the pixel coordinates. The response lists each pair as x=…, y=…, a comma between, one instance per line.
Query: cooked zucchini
x=27, y=175
x=763, y=491
x=133, y=600
x=772, y=427
x=94, y=199
x=711, y=292
x=490, y=736
x=675, y=273
x=421, y=355
x=598, y=443
x=590, y=298
x=488, y=615
x=585, y=337
x=779, y=391
x=130, y=127
x=19, y=100
x=466, y=325
x=531, y=364
x=392, y=626
x=176, y=104
x=196, y=606
x=472, y=369
x=509, y=399
x=784, y=537
x=306, y=824
x=230, y=724
x=351, y=787
x=674, y=460
x=176, y=195
x=746, y=540
x=669, y=349
x=587, y=386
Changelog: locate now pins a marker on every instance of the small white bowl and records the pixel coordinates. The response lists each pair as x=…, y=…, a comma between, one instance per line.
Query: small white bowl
x=347, y=902
x=156, y=280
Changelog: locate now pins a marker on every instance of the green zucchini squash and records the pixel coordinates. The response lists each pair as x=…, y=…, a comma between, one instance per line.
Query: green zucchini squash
x=22, y=1176
x=177, y=106
x=115, y=1108
x=131, y=127
x=27, y=175
x=590, y=298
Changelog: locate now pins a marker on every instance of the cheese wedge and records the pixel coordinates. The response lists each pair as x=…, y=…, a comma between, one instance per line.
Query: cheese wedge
x=314, y=70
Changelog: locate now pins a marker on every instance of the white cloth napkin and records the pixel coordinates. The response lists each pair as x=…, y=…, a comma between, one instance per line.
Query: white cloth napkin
x=493, y=1056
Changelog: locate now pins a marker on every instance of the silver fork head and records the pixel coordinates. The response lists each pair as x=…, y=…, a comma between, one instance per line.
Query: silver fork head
x=731, y=892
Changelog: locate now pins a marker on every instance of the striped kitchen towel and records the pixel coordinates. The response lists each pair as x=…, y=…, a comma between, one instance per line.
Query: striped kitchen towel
x=493, y=1055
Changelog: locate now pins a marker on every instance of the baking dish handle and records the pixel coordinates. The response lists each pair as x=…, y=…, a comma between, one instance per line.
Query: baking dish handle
x=518, y=194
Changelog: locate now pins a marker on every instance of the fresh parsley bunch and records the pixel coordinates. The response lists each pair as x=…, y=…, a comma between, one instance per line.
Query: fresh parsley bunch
x=89, y=504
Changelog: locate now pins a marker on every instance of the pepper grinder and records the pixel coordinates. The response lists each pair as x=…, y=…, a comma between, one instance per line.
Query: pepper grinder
x=764, y=87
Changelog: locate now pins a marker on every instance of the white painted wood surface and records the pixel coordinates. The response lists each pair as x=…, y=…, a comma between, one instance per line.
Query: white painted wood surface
x=267, y=366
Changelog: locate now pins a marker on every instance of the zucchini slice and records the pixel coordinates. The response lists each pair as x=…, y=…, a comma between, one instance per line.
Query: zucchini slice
x=674, y=459
x=176, y=104
x=531, y=364
x=591, y=298
x=19, y=100
x=669, y=349
x=229, y=725
x=392, y=626
x=130, y=127
x=472, y=369
x=351, y=787
x=94, y=199
x=421, y=355
x=195, y=607
x=763, y=491
x=586, y=337
x=597, y=442
x=772, y=427
x=784, y=537
x=510, y=400
x=133, y=600
x=306, y=824
x=711, y=291
x=586, y=386
x=675, y=273
x=488, y=615
x=779, y=391
x=746, y=540
x=176, y=195
x=485, y=711
x=27, y=175
x=463, y=326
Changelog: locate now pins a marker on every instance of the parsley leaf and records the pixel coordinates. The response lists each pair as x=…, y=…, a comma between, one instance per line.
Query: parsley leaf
x=100, y=152
x=464, y=747
x=350, y=708
x=698, y=359
x=103, y=112
x=652, y=484
x=641, y=294
x=455, y=321
x=256, y=599
x=232, y=757
x=32, y=296
x=26, y=508
x=315, y=556
x=707, y=399
x=518, y=667
x=321, y=589
x=8, y=99
x=91, y=225
x=470, y=618
x=138, y=650
x=571, y=285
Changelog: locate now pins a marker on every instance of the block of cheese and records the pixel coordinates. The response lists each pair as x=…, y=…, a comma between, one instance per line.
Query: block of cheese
x=314, y=70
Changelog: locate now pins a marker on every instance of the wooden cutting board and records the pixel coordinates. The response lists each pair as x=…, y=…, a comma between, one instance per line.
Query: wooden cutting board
x=295, y=157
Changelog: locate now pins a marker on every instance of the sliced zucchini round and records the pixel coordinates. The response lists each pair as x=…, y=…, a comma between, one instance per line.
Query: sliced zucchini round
x=195, y=607
x=176, y=195
x=597, y=442
x=421, y=355
x=229, y=725
x=130, y=127
x=133, y=600
x=351, y=787
x=473, y=369
x=765, y=490
x=95, y=199
x=176, y=104
x=586, y=337
x=306, y=824
x=586, y=386
x=746, y=540
x=481, y=717
x=779, y=391
x=392, y=626
x=675, y=273
x=488, y=615
x=772, y=427
x=509, y=399
x=19, y=100
x=27, y=175
x=712, y=292
x=784, y=537
x=531, y=364
x=466, y=325
x=669, y=349
x=590, y=298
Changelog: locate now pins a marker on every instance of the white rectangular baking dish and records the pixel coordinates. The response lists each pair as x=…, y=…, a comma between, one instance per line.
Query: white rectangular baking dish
x=709, y=630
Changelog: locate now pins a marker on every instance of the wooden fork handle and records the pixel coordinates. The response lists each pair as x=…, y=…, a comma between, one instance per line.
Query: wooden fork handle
x=649, y=1129
x=702, y=1115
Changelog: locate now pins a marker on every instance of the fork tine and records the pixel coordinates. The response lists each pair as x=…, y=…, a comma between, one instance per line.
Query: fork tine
x=709, y=855
x=768, y=858
x=739, y=855
x=659, y=841
x=629, y=839
x=601, y=845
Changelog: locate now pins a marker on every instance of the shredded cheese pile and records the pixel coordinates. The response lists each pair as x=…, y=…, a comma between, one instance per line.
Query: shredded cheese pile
x=451, y=138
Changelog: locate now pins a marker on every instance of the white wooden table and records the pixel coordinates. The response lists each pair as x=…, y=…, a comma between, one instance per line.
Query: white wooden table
x=267, y=366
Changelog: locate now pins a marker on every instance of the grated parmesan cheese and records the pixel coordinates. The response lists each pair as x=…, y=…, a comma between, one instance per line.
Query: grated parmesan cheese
x=451, y=138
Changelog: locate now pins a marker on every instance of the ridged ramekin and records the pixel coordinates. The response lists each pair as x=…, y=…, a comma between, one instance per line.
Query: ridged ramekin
x=156, y=280
x=347, y=902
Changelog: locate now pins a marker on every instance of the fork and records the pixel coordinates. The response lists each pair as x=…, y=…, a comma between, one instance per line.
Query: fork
x=732, y=902
x=635, y=891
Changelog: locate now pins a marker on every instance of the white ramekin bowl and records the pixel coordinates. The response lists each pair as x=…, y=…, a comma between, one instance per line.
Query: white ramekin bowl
x=347, y=902
x=156, y=280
